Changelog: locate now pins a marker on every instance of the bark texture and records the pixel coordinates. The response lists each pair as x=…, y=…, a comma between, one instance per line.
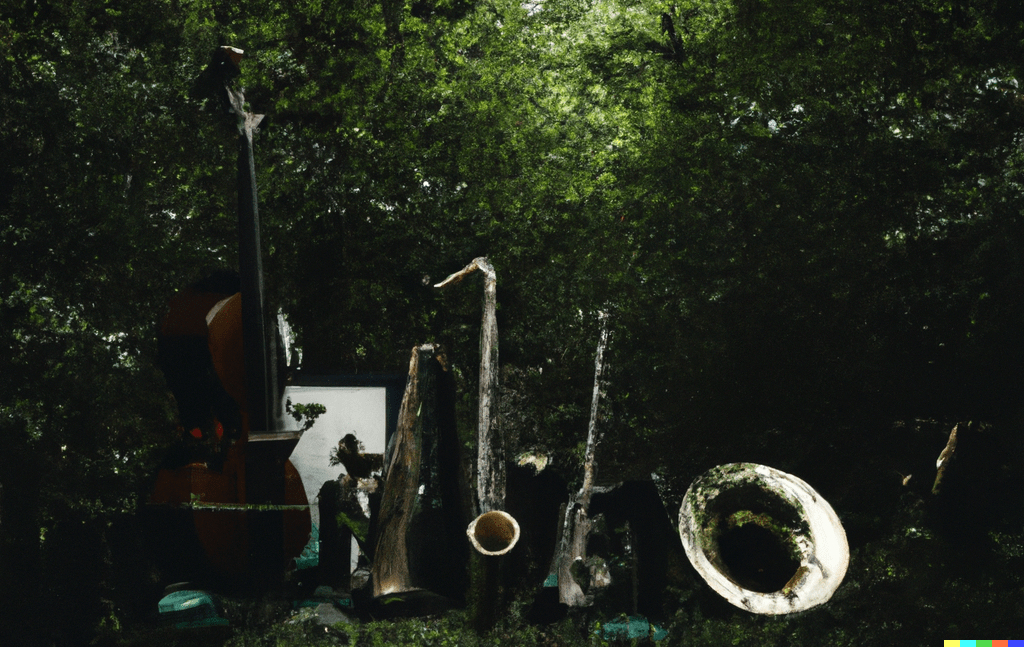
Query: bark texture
x=574, y=577
x=419, y=540
x=490, y=445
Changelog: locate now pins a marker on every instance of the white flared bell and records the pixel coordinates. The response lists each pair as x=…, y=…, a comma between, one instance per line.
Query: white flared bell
x=493, y=533
x=763, y=539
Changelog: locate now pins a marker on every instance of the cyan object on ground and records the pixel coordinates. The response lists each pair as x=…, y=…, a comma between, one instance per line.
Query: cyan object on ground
x=632, y=627
x=189, y=610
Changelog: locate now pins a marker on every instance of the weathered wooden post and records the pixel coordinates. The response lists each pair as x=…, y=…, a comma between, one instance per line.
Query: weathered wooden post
x=416, y=545
x=946, y=457
x=493, y=532
x=570, y=558
x=490, y=449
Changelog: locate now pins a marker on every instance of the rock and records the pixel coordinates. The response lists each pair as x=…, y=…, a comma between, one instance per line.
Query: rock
x=328, y=614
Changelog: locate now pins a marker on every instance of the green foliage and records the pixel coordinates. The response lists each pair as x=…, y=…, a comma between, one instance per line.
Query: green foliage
x=359, y=527
x=450, y=630
x=304, y=414
x=795, y=212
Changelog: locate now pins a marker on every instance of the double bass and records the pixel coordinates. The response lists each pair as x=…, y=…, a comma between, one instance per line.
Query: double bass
x=201, y=355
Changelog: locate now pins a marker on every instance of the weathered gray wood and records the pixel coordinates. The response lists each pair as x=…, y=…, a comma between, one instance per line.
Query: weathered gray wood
x=417, y=544
x=572, y=553
x=390, y=570
x=490, y=446
x=946, y=457
x=593, y=431
x=487, y=590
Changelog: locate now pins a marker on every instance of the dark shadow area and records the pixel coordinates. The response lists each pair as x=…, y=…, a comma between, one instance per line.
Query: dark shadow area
x=756, y=559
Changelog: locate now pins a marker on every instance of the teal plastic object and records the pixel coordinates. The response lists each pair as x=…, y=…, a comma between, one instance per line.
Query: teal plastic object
x=189, y=610
x=630, y=628
x=310, y=556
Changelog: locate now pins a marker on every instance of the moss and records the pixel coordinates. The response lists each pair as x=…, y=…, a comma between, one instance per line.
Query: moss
x=783, y=532
x=746, y=500
x=359, y=527
x=795, y=580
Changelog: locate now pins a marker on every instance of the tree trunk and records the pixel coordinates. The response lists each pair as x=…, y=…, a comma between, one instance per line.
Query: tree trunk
x=572, y=553
x=419, y=543
x=492, y=528
x=490, y=448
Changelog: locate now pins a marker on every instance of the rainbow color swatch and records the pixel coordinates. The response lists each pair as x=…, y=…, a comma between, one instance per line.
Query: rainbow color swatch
x=983, y=643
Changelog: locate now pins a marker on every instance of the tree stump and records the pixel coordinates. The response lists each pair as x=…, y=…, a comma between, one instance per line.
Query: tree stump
x=420, y=541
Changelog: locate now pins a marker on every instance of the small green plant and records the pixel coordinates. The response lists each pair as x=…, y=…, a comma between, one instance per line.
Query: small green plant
x=359, y=527
x=304, y=414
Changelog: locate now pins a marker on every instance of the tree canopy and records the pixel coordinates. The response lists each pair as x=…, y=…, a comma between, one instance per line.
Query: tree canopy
x=795, y=211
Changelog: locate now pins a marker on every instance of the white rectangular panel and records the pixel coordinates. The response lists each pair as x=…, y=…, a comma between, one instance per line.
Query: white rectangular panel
x=361, y=411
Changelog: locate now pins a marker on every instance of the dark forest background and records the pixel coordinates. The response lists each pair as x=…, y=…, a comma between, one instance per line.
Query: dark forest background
x=805, y=218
